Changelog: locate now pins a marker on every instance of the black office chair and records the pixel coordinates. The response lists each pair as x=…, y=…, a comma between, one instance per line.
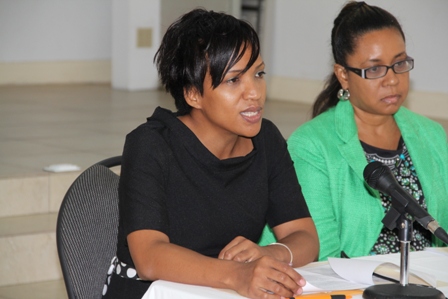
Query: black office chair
x=87, y=229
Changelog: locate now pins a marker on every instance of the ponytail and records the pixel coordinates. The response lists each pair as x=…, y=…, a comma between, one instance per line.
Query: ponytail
x=327, y=97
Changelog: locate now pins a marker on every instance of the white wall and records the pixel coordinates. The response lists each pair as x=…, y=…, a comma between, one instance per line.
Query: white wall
x=303, y=29
x=301, y=52
x=66, y=41
x=52, y=30
x=70, y=41
x=48, y=41
x=173, y=9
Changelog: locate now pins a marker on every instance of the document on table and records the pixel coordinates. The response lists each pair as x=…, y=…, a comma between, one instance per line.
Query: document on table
x=348, y=274
x=437, y=250
x=321, y=278
x=361, y=271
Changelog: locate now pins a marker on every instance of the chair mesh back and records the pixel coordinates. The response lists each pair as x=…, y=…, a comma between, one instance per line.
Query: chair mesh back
x=87, y=231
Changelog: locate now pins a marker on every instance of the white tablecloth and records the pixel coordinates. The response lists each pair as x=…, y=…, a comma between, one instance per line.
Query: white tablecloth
x=435, y=263
x=163, y=289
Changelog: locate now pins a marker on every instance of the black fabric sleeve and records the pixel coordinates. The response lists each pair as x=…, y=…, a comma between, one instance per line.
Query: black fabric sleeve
x=286, y=201
x=141, y=189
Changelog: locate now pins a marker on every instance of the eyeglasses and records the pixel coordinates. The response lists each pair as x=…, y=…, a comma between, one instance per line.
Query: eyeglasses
x=379, y=71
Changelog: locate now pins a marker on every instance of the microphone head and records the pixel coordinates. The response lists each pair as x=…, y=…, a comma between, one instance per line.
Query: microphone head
x=375, y=171
x=380, y=177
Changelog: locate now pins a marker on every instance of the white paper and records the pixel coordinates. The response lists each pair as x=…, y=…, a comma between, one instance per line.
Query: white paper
x=361, y=271
x=437, y=250
x=322, y=278
x=66, y=167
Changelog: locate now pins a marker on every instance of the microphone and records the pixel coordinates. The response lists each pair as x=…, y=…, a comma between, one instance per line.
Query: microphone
x=380, y=177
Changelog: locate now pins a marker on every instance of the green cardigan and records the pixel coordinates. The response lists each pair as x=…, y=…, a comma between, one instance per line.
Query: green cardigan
x=330, y=161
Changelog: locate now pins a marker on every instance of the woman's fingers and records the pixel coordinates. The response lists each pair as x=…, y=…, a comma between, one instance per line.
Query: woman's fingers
x=241, y=249
x=285, y=277
x=269, y=278
x=262, y=276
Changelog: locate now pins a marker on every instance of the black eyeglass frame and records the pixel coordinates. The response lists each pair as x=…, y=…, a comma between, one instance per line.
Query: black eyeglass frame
x=362, y=72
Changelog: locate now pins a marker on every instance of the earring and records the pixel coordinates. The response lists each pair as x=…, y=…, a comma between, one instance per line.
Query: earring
x=343, y=94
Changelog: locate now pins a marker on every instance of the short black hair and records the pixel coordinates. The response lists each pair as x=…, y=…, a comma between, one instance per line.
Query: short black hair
x=202, y=41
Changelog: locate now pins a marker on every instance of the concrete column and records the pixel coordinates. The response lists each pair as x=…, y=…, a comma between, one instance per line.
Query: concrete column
x=135, y=40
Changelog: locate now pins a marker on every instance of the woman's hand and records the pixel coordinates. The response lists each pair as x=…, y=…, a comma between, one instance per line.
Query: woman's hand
x=260, y=274
x=241, y=249
x=267, y=277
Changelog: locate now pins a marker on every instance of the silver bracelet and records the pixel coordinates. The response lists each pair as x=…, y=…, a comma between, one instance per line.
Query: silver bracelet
x=290, y=252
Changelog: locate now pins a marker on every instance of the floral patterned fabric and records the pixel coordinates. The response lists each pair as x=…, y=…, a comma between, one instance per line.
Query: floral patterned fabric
x=400, y=163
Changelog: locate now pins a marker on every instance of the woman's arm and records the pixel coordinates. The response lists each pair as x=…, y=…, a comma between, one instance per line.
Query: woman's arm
x=299, y=236
x=156, y=258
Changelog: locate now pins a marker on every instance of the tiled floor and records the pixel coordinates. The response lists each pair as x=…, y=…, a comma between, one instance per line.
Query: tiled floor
x=83, y=124
x=42, y=290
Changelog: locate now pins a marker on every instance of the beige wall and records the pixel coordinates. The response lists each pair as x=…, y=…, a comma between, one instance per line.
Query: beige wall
x=43, y=72
x=84, y=55
x=430, y=104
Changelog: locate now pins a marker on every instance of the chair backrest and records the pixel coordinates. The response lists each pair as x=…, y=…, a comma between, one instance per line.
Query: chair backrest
x=87, y=229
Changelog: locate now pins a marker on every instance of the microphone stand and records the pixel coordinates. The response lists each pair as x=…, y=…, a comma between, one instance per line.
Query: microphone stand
x=396, y=218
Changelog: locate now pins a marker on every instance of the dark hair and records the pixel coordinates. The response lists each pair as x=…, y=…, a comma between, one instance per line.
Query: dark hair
x=354, y=20
x=198, y=42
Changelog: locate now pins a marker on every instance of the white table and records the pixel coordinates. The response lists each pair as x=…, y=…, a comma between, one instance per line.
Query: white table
x=435, y=263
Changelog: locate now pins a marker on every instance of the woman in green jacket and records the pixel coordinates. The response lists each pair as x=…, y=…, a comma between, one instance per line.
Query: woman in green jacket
x=359, y=118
